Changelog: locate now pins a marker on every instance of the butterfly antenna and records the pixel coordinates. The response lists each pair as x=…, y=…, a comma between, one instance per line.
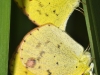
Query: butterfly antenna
x=82, y=2
x=87, y=49
x=80, y=10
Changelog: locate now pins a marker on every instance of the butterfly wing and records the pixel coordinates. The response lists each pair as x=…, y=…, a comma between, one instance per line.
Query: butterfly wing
x=16, y=66
x=42, y=12
x=47, y=50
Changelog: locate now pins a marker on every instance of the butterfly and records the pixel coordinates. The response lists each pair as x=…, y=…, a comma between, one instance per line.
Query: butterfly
x=53, y=52
x=56, y=12
x=41, y=12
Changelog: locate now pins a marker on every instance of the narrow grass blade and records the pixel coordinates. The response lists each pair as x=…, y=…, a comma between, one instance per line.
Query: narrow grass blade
x=5, y=6
x=92, y=16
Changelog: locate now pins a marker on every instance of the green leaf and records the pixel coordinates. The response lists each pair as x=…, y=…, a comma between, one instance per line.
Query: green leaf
x=5, y=6
x=92, y=16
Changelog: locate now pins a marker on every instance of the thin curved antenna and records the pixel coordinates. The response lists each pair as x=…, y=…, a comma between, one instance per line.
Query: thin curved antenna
x=82, y=2
x=87, y=49
x=80, y=11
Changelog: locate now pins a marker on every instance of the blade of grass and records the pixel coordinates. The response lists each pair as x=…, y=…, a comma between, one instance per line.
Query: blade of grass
x=4, y=35
x=93, y=24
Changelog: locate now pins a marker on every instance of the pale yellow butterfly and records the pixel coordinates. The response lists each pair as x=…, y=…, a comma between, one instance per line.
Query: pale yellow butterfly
x=48, y=50
x=23, y=7
x=43, y=12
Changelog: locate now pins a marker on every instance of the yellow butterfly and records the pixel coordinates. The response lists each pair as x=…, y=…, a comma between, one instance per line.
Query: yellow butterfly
x=43, y=12
x=48, y=50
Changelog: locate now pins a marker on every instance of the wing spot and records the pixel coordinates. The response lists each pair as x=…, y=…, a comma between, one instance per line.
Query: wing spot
x=58, y=27
x=25, y=72
x=22, y=58
x=49, y=73
x=46, y=14
x=37, y=29
x=41, y=5
x=48, y=24
x=33, y=21
x=41, y=53
x=47, y=42
x=57, y=14
x=39, y=67
x=30, y=62
x=58, y=46
x=57, y=63
x=38, y=45
x=28, y=15
x=54, y=11
x=39, y=12
x=61, y=43
x=38, y=58
x=30, y=33
x=24, y=40
x=22, y=49
x=76, y=66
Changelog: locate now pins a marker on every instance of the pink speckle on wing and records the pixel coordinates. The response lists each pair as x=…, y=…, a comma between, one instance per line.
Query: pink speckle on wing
x=30, y=62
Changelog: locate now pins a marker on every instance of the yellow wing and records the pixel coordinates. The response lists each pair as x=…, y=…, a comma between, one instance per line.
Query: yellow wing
x=42, y=12
x=49, y=50
x=16, y=66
